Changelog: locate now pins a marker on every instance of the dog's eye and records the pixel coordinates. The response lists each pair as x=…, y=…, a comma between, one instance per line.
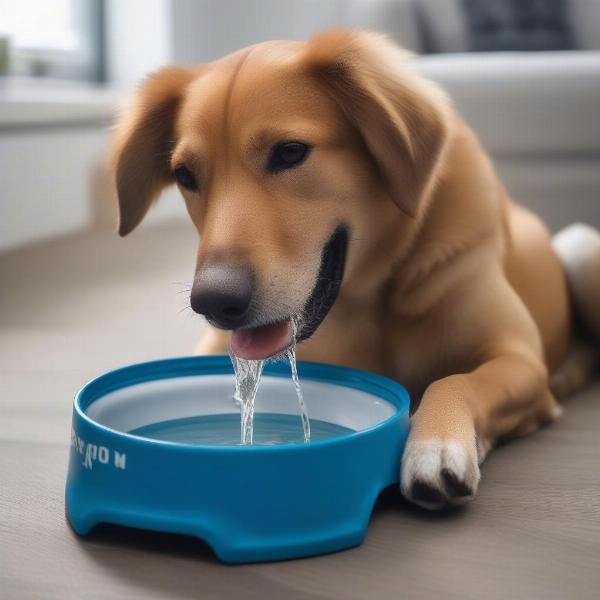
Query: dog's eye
x=287, y=155
x=185, y=177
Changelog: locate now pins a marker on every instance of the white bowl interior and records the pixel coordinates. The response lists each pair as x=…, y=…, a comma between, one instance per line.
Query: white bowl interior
x=180, y=397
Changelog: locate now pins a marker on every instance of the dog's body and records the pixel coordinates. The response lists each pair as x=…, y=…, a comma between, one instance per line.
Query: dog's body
x=449, y=286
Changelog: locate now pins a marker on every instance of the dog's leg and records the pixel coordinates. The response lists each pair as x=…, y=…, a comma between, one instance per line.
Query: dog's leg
x=214, y=341
x=460, y=418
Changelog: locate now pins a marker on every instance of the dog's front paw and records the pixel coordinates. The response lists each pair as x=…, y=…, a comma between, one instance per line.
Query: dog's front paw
x=437, y=473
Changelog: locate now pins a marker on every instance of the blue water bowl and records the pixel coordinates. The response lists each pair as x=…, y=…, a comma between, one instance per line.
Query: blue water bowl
x=249, y=503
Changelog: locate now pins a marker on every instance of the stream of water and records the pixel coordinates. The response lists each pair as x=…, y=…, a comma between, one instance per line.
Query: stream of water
x=247, y=380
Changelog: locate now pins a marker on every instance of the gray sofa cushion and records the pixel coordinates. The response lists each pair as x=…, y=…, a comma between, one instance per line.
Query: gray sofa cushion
x=547, y=102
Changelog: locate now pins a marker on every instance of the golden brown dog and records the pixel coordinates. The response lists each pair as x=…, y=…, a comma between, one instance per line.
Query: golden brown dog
x=332, y=185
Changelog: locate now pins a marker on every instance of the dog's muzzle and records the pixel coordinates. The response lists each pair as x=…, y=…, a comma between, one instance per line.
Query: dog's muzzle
x=223, y=294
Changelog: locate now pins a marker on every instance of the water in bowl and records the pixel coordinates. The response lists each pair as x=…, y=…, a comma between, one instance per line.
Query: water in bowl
x=224, y=430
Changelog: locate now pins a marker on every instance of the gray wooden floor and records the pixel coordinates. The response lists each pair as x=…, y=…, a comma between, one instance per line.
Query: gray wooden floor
x=78, y=306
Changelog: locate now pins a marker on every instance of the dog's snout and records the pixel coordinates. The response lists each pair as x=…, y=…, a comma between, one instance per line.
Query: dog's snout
x=223, y=294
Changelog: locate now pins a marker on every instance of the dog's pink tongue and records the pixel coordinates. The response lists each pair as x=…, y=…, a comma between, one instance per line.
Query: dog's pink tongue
x=259, y=343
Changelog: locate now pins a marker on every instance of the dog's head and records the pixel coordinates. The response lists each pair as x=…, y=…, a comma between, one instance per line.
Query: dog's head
x=294, y=159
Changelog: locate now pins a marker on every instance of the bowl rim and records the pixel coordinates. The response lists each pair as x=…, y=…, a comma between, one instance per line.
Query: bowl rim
x=378, y=385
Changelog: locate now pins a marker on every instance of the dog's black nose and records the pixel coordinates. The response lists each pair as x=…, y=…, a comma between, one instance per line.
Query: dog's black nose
x=223, y=294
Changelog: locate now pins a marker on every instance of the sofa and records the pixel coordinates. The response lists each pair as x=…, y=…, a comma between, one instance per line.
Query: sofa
x=536, y=112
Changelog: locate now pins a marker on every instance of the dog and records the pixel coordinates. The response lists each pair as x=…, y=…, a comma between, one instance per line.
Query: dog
x=336, y=190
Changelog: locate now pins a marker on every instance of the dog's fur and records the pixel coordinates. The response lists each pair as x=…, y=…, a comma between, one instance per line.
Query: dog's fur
x=450, y=287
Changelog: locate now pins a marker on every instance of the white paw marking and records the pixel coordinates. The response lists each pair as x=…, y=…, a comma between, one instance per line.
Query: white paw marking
x=436, y=473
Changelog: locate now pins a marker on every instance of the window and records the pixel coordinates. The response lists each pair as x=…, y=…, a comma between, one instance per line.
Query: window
x=53, y=38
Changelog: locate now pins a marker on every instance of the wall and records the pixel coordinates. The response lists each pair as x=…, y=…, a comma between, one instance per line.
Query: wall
x=203, y=30
x=45, y=181
x=138, y=38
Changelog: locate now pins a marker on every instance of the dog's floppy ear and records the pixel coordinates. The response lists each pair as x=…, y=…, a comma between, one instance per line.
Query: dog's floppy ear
x=144, y=136
x=401, y=118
